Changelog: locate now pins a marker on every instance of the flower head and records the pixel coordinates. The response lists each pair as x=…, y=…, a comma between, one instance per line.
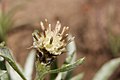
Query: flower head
x=50, y=43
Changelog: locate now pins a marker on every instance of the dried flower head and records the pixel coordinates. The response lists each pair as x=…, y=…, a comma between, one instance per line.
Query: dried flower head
x=50, y=43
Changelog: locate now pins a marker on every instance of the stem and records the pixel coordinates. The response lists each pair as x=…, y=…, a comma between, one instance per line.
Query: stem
x=53, y=66
x=41, y=70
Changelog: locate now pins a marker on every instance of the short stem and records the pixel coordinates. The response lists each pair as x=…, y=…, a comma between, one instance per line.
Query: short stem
x=39, y=76
x=41, y=70
x=54, y=66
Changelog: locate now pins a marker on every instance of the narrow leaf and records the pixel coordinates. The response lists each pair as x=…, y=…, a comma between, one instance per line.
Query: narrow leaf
x=4, y=75
x=78, y=77
x=12, y=72
x=2, y=72
x=62, y=75
x=29, y=65
x=107, y=70
x=5, y=53
x=68, y=67
x=71, y=48
x=54, y=66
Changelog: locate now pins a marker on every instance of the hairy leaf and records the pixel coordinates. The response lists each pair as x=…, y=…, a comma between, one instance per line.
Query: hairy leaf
x=2, y=72
x=107, y=70
x=28, y=69
x=78, y=77
x=5, y=53
x=68, y=67
x=4, y=75
x=71, y=48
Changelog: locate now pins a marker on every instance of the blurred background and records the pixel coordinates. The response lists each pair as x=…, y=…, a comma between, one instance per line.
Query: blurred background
x=94, y=23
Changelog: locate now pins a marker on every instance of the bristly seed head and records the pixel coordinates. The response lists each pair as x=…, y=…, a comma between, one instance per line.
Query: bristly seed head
x=53, y=42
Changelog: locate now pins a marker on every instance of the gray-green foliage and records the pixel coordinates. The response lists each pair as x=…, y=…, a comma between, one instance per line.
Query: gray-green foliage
x=6, y=23
x=4, y=75
x=78, y=77
x=12, y=66
x=2, y=72
x=103, y=74
x=6, y=54
x=29, y=65
x=107, y=70
x=27, y=70
x=68, y=65
x=71, y=57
